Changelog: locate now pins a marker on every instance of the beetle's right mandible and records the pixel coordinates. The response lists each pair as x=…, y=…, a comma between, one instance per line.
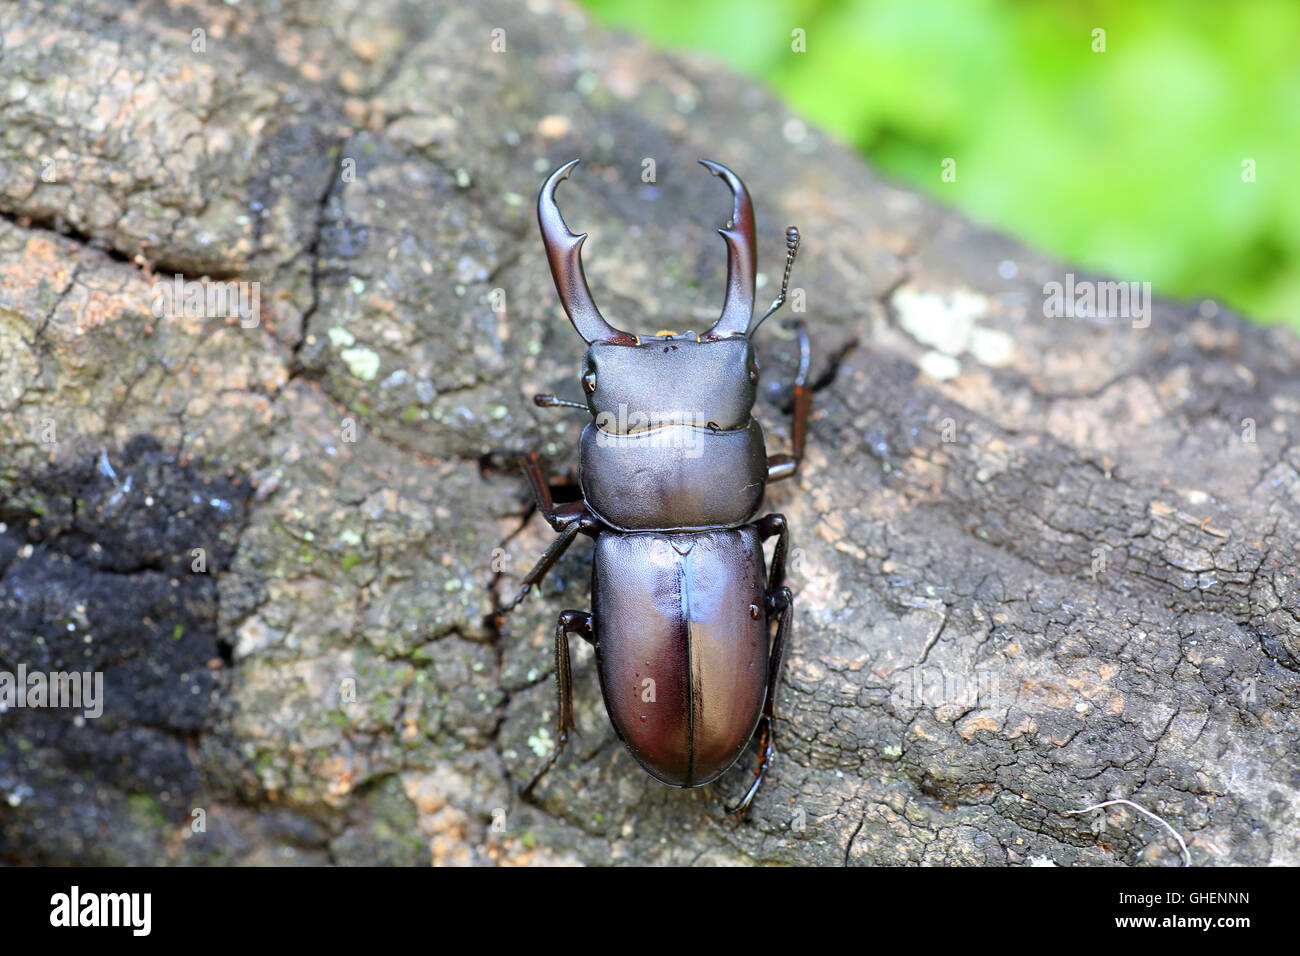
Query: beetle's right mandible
x=564, y=251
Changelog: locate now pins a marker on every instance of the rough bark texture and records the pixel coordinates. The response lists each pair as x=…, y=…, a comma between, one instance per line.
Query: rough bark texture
x=1064, y=574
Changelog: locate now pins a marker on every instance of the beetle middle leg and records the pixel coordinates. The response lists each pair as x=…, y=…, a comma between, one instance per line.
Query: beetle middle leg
x=783, y=466
x=570, y=519
x=569, y=622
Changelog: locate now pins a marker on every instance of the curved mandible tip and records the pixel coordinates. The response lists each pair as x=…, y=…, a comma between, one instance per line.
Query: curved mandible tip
x=742, y=257
x=564, y=252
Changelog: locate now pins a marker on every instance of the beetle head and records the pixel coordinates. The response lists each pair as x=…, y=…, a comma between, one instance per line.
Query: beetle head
x=671, y=379
x=710, y=376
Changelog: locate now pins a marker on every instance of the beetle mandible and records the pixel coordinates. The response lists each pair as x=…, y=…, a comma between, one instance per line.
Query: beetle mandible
x=672, y=469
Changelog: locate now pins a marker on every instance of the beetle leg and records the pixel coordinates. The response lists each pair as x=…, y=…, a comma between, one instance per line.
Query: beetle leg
x=568, y=622
x=559, y=517
x=780, y=602
x=511, y=461
x=775, y=524
x=583, y=521
x=783, y=466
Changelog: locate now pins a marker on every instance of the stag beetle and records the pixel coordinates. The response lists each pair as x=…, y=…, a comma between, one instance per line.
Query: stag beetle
x=672, y=471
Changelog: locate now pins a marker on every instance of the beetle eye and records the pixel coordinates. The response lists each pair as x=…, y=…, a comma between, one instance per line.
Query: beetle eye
x=589, y=380
x=753, y=372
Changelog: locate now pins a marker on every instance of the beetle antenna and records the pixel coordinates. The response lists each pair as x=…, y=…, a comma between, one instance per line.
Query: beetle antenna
x=791, y=250
x=550, y=401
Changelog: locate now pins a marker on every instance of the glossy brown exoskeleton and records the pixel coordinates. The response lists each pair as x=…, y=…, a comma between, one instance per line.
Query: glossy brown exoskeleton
x=672, y=470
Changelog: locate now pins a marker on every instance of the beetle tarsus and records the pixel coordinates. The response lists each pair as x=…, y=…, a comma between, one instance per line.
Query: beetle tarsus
x=526, y=792
x=768, y=753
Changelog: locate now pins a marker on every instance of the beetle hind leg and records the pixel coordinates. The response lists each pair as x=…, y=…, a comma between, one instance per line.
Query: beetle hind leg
x=568, y=623
x=781, y=603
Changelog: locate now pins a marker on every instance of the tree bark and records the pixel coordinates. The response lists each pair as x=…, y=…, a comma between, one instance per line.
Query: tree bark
x=1041, y=562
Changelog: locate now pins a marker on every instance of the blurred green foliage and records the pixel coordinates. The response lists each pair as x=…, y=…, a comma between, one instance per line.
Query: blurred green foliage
x=1132, y=161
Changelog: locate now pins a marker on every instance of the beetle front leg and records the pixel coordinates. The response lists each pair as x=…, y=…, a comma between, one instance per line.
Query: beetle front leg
x=568, y=622
x=783, y=466
x=779, y=602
